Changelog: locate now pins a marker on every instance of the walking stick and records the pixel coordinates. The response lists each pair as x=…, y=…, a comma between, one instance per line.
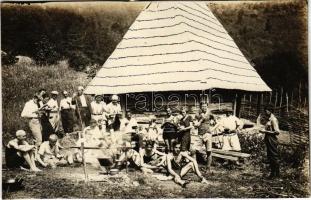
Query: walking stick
x=82, y=143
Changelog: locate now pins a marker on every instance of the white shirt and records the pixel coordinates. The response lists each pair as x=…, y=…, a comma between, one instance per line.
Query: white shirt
x=98, y=108
x=113, y=109
x=231, y=122
x=83, y=101
x=66, y=103
x=52, y=103
x=29, y=110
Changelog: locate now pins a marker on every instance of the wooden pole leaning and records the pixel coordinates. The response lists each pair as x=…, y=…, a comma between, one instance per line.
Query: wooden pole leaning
x=82, y=143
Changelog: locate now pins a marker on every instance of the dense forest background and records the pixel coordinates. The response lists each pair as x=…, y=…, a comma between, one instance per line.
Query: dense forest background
x=272, y=35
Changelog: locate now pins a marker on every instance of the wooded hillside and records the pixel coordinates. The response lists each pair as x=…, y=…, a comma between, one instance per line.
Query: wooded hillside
x=273, y=36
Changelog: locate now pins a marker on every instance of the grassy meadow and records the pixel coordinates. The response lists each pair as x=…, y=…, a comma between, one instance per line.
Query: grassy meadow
x=21, y=81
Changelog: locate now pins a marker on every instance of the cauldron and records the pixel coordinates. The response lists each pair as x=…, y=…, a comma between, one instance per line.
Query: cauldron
x=12, y=184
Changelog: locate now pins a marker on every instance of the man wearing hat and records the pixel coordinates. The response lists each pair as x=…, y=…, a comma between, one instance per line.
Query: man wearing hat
x=83, y=106
x=66, y=111
x=18, y=151
x=54, y=113
x=31, y=112
x=98, y=111
x=113, y=110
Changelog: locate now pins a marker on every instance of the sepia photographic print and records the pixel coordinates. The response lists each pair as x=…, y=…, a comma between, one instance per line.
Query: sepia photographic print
x=166, y=99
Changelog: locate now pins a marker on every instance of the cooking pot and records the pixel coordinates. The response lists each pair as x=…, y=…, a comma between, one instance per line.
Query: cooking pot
x=12, y=184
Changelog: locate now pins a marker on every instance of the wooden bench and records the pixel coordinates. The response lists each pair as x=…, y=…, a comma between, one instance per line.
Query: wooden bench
x=226, y=157
x=230, y=155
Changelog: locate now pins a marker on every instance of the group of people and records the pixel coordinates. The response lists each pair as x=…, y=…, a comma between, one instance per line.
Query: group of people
x=46, y=115
x=127, y=141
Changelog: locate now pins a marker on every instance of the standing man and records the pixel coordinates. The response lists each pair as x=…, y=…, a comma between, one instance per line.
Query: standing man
x=169, y=131
x=83, y=106
x=185, y=126
x=54, y=112
x=205, y=135
x=113, y=113
x=31, y=112
x=98, y=113
x=271, y=131
x=231, y=125
x=66, y=111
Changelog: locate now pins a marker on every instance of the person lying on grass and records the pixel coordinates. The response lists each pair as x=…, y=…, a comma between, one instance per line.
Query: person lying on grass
x=18, y=151
x=150, y=157
x=183, y=163
x=49, y=154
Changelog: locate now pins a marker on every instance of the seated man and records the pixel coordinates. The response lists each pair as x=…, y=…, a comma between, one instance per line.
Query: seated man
x=129, y=123
x=182, y=162
x=231, y=125
x=92, y=131
x=18, y=151
x=129, y=157
x=91, y=137
x=151, y=158
x=49, y=153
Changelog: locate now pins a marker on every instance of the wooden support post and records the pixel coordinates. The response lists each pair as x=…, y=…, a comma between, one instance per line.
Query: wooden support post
x=238, y=105
x=84, y=162
x=281, y=98
x=292, y=98
x=299, y=95
x=82, y=143
x=250, y=104
x=244, y=102
x=258, y=104
x=235, y=104
x=270, y=97
x=123, y=104
x=286, y=102
x=305, y=102
x=276, y=99
x=262, y=99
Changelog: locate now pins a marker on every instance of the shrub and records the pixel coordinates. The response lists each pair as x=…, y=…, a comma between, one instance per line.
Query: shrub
x=8, y=58
x=78, y=60
x=46, y=52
